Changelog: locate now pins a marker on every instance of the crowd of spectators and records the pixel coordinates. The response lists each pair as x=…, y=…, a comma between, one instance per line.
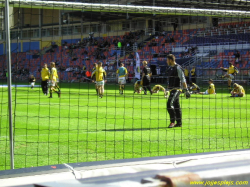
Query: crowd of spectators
x=189, y=52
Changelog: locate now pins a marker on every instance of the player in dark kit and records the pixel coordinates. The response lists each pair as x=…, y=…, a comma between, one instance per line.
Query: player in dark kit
x=146, y=74
x=176, y=81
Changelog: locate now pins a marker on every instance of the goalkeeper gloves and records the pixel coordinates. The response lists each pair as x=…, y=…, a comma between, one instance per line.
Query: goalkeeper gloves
x=187, y=93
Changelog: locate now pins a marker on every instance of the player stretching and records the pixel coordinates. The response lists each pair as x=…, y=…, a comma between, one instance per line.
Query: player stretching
x=176, y=81
x=194, y=88
x=238, y=91
x=122, y=75
x=210, y=90
x=53, y=81
x=231, y=72
x=100, y=75
x=157, y=88
x=137, y=87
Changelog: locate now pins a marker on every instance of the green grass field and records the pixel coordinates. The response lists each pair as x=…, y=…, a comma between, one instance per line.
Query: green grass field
x=80, y=127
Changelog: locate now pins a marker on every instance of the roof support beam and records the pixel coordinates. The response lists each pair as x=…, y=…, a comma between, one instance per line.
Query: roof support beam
x=73, y=6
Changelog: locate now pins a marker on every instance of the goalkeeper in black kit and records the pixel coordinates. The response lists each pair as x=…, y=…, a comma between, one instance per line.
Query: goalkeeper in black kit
x=176, y=84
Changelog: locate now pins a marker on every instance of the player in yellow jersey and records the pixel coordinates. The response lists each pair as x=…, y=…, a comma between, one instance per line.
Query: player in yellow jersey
x=194, y=88
x=211, y=88
x=231, y=72
x=238, y=91
x=54, y=80
x=100, y=75
x=137, y=86
x=157, y=88
x=45, y=78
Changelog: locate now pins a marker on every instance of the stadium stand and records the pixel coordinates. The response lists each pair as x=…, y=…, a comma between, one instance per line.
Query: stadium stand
x=74, y=53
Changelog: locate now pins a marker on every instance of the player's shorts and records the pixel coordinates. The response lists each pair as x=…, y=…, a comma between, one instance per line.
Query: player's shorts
x=32, y=84
x=122, y=80
x=52, y=83
x=230, y=77
x=99, y=83
x=206, y=92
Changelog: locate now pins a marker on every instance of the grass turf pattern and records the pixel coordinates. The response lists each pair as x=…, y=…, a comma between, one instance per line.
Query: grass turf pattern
x=80, y=127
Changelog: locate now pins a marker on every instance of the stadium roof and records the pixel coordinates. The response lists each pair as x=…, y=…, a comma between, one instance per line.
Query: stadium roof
x=217, y=8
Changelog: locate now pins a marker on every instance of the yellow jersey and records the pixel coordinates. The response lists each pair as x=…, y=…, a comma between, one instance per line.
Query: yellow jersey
x=186, y=72
x=45, y=74
x=137, y=85
x=158, y=87
x=239, y=89
x=194, y=87
x=99, y=73
x=211, y=89
x=230, y=70
x=53, y=74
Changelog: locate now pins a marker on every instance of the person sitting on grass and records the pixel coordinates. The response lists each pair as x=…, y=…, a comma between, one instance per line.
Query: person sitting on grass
x=32, y=81
x=194, y=88
x=157, y=88
x=211, y=88
x=137, y=86
x=238, y=91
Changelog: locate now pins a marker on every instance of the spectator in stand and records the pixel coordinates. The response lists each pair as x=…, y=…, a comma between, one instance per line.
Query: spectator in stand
x=88, y=75
x=131, y=56
x=237, y=57
x=172, y=39
x=105, y=67
x=175, y=24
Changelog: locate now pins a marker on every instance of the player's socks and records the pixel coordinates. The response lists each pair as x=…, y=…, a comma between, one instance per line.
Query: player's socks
x=50, y=95
x=96, y=91
x=59, y=93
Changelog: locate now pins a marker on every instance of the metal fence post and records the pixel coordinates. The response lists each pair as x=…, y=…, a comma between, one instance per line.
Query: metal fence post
x=8, y=61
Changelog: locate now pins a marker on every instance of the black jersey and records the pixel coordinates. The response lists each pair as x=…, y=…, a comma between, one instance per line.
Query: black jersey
x=175, y=77
x=32, y=80
x=147, y=71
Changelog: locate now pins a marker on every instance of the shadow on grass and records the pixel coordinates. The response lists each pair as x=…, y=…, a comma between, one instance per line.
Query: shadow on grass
x=135, y=129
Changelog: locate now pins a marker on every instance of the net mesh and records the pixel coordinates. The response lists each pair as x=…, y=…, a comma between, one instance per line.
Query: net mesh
x=80, y=126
